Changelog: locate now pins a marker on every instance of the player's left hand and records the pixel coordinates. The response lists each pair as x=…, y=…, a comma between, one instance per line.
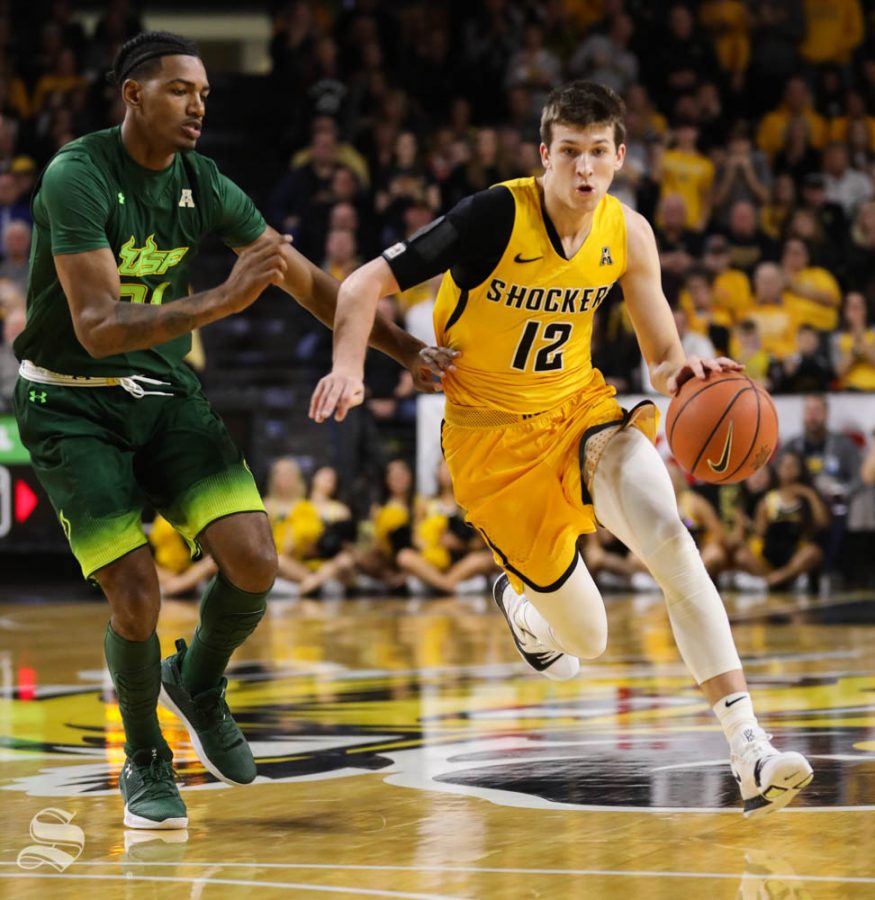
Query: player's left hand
x=699, y=367
x=432, y=363
x=336, y=393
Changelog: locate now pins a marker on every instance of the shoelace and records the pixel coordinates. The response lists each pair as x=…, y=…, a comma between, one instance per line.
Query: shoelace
x=759, y=748
x=214, y=709
x=162, y=775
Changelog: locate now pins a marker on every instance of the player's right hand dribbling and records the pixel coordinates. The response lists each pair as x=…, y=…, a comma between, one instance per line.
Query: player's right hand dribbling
x=257, y=266
x=336, y=394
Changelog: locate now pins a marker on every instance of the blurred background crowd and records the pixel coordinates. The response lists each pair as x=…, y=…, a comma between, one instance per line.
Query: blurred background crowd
x=751, y=149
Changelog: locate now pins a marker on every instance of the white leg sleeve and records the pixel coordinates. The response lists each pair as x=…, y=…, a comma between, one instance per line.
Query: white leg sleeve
x=634, y=498
x=572, y=618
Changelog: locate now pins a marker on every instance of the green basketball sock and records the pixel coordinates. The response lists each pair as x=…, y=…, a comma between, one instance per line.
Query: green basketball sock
x=228, y=616
x=135, y=667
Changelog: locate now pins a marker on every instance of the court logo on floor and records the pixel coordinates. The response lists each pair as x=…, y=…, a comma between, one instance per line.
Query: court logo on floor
x=624, y=742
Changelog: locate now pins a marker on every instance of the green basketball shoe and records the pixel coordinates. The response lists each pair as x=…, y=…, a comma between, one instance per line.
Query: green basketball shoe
x=150, y=793
x=218, y=742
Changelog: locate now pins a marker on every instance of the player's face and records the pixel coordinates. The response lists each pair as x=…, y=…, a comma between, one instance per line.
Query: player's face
x=580, y=163
x=173, y=101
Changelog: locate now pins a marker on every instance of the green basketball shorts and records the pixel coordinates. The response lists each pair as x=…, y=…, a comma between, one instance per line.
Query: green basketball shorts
x=102, y=455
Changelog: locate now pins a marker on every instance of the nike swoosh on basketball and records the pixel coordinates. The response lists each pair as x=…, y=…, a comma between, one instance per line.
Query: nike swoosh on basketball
x=736, y=700
x=518, y=258
x=723, y=462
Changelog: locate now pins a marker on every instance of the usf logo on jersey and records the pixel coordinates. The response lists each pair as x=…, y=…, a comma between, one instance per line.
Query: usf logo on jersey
x=148, y=259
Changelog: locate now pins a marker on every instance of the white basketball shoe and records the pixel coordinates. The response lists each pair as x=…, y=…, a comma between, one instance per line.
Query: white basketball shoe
x=537, y=655
x=769, y=779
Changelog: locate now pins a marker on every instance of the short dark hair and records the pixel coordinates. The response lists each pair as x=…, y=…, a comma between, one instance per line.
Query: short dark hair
x=140, y=57
x=583, y=103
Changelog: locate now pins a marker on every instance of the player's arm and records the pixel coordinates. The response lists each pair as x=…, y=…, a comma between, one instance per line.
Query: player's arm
x=652, y=318
x=317, y=292
x=105, y=325
x=75, y=201
x=356, y=312
x=470, y=239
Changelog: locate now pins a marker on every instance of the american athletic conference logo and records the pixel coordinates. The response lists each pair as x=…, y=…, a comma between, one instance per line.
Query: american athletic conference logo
x=57, y=843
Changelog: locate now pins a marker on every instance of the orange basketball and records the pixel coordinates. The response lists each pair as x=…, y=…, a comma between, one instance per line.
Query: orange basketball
x=722, y=429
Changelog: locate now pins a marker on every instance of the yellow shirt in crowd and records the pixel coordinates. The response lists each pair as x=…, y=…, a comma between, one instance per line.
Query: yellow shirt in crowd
x=690, y=175
x=861, y=375
x=833, y=29
x=731, y=291
x=700, y=324
x=770, y=134
x=839, y=126
x=727, y=22
x=809, y=312
x=777, y=326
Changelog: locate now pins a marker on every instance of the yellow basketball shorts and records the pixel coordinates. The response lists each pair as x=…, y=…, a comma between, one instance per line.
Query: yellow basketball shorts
x=518, y=478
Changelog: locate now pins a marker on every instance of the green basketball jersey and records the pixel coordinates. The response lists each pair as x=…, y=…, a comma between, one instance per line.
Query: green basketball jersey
x=93, y=195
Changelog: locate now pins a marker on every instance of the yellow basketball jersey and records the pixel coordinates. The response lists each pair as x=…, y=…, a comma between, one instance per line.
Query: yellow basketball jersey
x=525, y=331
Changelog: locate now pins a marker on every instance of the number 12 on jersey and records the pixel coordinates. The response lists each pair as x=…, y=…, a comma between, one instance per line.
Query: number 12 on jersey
x=547, y=358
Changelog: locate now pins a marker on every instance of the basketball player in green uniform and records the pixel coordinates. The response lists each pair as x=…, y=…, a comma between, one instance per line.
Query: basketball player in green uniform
x=537, y=444
x=114, y=419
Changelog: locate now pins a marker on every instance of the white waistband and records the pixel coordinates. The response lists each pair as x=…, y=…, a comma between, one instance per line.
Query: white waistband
x=133, y=384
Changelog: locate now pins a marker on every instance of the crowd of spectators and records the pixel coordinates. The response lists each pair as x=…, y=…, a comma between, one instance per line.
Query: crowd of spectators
x=750, y=147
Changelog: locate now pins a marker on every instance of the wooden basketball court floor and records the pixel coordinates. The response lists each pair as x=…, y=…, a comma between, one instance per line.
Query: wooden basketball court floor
x=405, y=752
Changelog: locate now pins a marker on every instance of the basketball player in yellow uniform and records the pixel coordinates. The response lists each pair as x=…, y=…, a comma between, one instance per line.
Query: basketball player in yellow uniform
x=537, y=444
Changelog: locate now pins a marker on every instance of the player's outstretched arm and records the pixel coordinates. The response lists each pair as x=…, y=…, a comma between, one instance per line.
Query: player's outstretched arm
x=652, y=318
x=317, y=292
x=106, y=326
x=357, y=300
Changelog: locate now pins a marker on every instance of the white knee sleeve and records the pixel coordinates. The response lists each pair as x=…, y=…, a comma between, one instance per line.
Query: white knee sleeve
x=634, y=498
x=572, y=618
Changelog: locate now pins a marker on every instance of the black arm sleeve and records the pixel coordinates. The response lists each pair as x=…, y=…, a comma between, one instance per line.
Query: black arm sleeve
x=469, y=240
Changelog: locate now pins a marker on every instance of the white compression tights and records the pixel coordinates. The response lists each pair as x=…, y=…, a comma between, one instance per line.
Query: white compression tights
x=571, y=618
x=634, y=499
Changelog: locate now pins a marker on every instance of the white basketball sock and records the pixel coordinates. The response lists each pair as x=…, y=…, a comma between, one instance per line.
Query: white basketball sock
x=736, y=716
